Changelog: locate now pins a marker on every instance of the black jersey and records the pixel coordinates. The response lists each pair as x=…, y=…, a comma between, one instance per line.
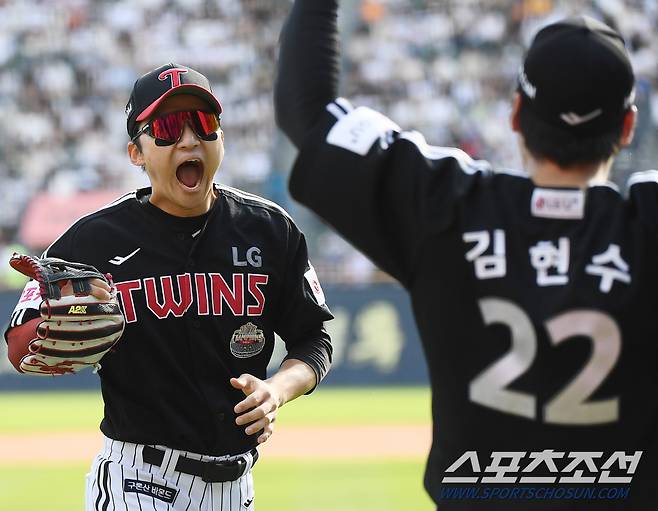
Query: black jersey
x=203, y=298
x=534, y=305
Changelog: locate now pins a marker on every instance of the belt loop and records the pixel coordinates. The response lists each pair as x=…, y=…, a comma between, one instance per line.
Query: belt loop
x=139, y=460
x=249, y=458
x=168, y=465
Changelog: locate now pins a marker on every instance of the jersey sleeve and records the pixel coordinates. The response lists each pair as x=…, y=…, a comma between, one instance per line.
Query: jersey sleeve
x=643, y=195
x=303, y=311
x=385, y=190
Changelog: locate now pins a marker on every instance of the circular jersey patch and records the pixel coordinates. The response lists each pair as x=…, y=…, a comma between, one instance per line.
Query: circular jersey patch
x=247, y=341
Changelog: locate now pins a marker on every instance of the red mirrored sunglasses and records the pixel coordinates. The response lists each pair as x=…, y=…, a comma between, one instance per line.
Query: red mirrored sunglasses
x=167, y=129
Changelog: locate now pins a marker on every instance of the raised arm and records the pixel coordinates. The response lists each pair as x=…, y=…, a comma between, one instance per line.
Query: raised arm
x=308, y=70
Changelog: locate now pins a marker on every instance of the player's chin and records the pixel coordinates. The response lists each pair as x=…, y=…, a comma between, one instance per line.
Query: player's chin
x=192, y=198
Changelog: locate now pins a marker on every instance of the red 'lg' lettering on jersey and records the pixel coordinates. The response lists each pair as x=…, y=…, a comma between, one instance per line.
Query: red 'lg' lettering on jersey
x=124, y=290
x=169, y=305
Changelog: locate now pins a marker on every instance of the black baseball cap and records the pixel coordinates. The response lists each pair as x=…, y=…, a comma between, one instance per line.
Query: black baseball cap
x=155, y=86
x=577, y=76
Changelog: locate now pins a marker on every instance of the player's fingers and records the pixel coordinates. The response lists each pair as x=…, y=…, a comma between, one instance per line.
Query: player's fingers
x=267, y=432
x=100, y=289
x=67, y=289
x=254, y=415
x=236, y=383
x=251, y=416
x=251, y=401
x=100, y=283
x=245, y=382
x=264, y=437
x=265, y=424
x=261, y=393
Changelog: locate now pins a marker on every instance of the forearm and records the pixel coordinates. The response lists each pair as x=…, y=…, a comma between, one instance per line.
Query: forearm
x=293, y=379
x=18, y=340
x=308, y=70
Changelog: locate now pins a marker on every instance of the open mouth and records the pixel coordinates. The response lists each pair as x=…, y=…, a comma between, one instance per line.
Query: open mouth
x=189, y=173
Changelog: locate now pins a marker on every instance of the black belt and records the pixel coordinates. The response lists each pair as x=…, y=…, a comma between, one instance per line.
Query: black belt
x=209, y=471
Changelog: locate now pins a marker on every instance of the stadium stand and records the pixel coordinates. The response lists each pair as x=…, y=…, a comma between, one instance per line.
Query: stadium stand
x=445, y=68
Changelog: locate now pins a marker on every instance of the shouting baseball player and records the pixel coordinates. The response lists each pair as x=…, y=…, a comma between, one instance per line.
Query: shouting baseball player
x=532, y=291
x=205, y=276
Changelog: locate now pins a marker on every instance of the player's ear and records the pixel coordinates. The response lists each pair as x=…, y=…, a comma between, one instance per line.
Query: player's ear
x=514, y=119
x=135, y=155
x=628, y=130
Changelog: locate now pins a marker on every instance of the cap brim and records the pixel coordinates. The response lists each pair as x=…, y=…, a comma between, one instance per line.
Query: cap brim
x=187, y=88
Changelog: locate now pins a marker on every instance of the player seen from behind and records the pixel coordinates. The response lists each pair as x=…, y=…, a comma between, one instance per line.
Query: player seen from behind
x=532, y=291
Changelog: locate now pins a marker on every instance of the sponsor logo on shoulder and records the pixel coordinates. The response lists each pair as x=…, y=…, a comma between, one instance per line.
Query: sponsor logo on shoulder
x=562, y=204
x=247, y=341
x=313, y=281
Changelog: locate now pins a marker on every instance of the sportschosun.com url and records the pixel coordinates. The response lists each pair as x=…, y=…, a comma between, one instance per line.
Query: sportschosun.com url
x=534, y=493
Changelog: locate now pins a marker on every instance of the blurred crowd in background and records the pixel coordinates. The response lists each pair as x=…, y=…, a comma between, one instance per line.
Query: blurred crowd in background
x=444, y=67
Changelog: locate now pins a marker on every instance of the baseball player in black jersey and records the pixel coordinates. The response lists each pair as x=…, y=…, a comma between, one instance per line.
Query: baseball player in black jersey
x=532, y=291
x=205, y=275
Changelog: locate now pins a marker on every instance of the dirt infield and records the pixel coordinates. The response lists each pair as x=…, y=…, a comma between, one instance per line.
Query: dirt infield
x=287, y=442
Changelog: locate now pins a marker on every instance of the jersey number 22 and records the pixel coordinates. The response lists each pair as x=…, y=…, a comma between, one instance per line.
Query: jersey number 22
x=570, y=405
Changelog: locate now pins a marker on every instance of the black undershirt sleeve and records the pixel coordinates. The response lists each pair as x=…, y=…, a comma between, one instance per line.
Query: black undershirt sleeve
x=309, y=67
x=302, y=313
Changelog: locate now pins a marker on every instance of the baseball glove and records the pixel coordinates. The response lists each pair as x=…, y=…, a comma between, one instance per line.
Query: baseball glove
x=77, y=330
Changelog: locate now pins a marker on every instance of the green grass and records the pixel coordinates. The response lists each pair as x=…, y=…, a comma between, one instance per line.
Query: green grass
x=29, y=412
x=353, y=406
x=82, y=411
x=382, y=485
x=36, y=488
x=281, y=485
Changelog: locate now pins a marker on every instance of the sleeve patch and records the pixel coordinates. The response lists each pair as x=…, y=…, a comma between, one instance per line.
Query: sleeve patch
x=360, y=129
x=30, y=298
x=313, y=281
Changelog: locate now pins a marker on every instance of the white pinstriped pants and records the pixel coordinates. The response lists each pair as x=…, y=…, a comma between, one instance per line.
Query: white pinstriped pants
x=119, y=480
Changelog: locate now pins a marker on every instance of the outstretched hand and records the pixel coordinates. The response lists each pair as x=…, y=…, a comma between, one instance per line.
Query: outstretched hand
x=259, y=408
